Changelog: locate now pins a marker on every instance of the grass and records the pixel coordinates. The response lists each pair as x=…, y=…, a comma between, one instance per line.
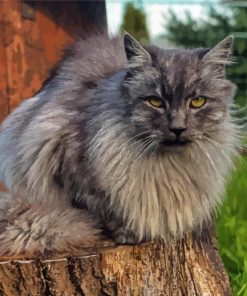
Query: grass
x=231, y=230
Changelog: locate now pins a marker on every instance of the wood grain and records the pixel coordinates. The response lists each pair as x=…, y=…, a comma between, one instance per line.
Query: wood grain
x=190, y=267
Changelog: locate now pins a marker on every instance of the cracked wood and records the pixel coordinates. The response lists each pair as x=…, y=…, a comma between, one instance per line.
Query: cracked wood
x=189, y=267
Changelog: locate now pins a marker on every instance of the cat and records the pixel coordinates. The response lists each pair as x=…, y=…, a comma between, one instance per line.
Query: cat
x=134, y=140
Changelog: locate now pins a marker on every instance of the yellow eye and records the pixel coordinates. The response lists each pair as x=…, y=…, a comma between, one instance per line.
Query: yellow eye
x=198, y=102
x=156, y=102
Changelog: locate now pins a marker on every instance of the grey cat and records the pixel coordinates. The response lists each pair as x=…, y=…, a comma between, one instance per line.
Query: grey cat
x=134, y=140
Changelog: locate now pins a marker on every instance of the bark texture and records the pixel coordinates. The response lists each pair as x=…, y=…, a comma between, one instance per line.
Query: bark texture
x=189, y=267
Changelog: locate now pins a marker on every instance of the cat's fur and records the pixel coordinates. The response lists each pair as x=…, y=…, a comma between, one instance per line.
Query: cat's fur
x=91, y=140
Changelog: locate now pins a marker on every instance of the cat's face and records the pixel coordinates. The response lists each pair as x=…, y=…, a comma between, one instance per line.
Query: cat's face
x=177, y=97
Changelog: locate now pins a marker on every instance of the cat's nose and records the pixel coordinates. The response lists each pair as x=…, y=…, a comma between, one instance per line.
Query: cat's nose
x=178, y=130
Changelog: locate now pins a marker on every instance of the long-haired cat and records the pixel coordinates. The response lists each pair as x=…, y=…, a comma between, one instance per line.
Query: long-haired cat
x=136, y=140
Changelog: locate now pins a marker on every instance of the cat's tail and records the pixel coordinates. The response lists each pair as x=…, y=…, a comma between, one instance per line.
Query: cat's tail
x=28, y=228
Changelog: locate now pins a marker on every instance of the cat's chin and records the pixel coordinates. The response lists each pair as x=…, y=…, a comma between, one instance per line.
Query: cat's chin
x=168, y=145
x=173, y=143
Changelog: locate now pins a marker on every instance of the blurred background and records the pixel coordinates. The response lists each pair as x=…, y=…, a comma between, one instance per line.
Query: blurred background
x=33, y=34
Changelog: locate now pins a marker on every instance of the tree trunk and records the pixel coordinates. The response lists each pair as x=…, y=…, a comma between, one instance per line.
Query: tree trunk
x=189, y=267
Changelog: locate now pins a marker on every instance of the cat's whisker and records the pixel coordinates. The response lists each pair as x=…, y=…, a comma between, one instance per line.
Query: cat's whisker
x=207, y=155
x=132, y=143
x=139, y=145
x=138, y=135
x=220, y=147
x=149, y=148
x=144, y=148
x=148, y=145
x=155, y=148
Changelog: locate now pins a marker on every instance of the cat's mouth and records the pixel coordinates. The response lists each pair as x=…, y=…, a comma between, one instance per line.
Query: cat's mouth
x=176, y=142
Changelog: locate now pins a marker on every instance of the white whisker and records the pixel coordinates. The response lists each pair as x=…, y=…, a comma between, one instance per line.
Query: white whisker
x=147, y=142
x=207, y=155
x=220, y=147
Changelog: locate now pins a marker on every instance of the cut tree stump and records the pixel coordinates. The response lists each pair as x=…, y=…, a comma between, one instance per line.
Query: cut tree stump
x=191, y=266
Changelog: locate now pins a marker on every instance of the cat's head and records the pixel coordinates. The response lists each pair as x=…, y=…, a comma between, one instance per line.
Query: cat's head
x=176, y=97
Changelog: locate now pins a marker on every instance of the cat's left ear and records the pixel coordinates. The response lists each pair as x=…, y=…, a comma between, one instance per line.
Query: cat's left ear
x=221, y=53
x=135, y=52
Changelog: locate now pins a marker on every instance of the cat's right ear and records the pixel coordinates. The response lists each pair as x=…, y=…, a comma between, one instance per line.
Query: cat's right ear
x=219, y=56
x=221, y=53
x=135, y=52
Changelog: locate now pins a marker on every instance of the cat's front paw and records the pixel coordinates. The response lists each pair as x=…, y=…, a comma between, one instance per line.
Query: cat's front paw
x=123, y=236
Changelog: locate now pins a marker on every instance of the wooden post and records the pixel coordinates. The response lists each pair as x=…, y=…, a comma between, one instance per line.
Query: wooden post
x=189, y=267
x=32, y=36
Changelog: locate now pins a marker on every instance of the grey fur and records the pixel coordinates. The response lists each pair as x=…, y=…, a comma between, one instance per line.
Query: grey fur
x=33, y=229
x=90, y=138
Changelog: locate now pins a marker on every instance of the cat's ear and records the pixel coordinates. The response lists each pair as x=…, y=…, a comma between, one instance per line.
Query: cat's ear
x=221, y=53
x=135, y=52
x=215, y=60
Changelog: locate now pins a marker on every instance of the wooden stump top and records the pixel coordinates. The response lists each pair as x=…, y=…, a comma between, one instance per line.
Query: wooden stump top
x=191, y=266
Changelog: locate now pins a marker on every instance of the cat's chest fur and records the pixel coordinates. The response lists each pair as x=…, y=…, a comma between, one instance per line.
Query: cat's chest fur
x=160, y=196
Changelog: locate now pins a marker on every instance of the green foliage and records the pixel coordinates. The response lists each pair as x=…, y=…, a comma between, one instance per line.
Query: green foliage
x=193, y=33
x=220, y=23
x=232, y=230
x=134, y=22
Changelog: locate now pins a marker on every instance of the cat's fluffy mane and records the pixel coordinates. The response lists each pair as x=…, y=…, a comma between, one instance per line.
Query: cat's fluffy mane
x=163, y=195
x=56, y=147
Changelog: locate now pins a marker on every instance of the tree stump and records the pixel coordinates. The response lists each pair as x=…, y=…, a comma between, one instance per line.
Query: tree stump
x=191, y=266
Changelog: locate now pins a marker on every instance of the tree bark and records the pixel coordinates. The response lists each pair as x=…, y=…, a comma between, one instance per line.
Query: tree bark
x=191, y=266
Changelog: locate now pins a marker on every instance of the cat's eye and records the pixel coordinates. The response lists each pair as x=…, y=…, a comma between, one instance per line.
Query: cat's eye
x=198, y=102
x=156, y=102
